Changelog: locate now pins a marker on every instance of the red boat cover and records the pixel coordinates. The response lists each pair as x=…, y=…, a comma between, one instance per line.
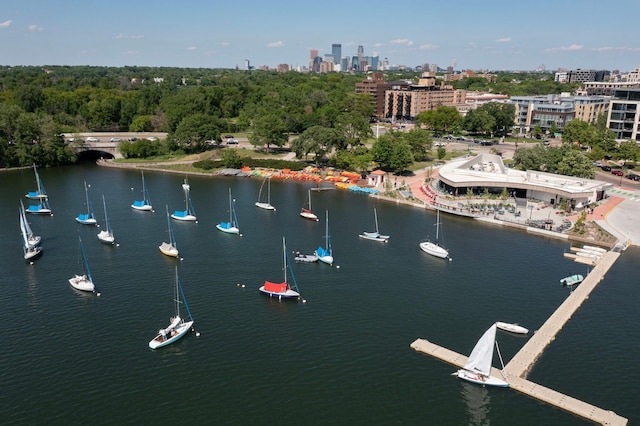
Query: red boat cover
x=275, y=287
x=306, y=211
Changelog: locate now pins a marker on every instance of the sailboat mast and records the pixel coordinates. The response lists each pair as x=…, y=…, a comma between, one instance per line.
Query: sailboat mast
x=437, y=223
x=106, y=218
x=84, y=257
x=37, y=179
x=230, y=208
x=375, y=215
x=86, y=194
x=177, y=298
x=284, y=259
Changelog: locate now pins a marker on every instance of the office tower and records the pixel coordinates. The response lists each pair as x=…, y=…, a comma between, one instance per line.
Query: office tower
x=336, y=51
x=313, y=54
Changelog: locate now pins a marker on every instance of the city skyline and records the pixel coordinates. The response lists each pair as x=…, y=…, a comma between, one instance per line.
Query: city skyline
x=504, y=35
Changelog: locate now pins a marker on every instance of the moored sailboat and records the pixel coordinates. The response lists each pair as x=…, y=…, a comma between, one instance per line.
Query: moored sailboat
x=282, y=290
x=375, y=236
x=145, y=203
x=171, y=248
x=434, y=248
x=189, y=214
x=106, y=235
x=266, y=205
x=88, y=218
x=31, y=250
x=478, y=366
x=230, y=227
x=39, y=194
x=325, y=254
x=31, y=238
x=83, y=282
x=177, y=327
x=306, y=212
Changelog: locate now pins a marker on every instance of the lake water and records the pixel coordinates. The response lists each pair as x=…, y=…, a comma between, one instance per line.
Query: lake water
x=341, y=358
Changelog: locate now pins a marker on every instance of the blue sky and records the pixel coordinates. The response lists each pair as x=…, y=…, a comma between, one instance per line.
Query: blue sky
x=495, y=35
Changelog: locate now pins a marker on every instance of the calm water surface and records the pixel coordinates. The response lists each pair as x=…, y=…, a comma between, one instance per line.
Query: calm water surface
x=341, y=358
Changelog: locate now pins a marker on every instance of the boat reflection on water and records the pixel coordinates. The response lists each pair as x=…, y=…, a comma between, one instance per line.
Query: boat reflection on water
x=478, y=403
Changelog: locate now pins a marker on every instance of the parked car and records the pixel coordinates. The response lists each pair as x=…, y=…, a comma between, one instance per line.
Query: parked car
x=605, y=168
x=617, y=172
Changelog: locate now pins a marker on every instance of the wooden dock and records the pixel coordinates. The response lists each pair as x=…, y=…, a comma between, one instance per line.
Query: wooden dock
x=516, y=370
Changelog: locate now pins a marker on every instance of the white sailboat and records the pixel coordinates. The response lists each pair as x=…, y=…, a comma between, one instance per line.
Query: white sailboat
x=83, y=282
x=30, y=251
x=433, y=248
x=171, y=248
x=145, y=203
x=478, y=366
x=177, y=327
x=88, y=218
x=261, y=204
x=307, y=213
x=325, y=254
x=39, y=194
x=512, y=327
x=375, y=236
x=283, y=290
x=230, y=227
x=32, y=239
x=189, y=214
x=106, y=235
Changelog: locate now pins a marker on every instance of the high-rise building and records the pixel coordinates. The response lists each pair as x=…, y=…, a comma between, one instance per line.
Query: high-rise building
x=313, y=54
x=336, y=51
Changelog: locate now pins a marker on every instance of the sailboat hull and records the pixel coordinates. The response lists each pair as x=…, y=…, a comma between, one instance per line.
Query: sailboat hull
x=168, y=250
x=32, y=254
x=265, y=206
x=183, y=216
x=224, y=227
x=480, y=379
x=374, y=236
x=38, y=210
x=180, y=331
x=106, y=237
x=82, y=283
x=288, y=294
x=434, y=249
x=142, y=207
x=86, y=220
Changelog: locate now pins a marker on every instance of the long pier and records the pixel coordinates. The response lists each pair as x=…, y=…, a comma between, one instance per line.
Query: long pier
x=516, y=370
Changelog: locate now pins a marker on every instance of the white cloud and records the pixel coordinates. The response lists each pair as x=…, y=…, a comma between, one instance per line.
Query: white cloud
x=615, y=49
x=128, y=36
x=34, y=28
x=566, y=48
x=403, y=41
x=503, y=40
x=275, y=44
x=191, y=48
x=378, y=45
x=428, y=46
x=225, y=44
x=6, y=23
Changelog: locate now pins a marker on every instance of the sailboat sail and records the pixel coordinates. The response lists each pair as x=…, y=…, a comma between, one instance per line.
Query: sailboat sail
x=482, y=354
x=189, y=214
x=265, y=204
x=230, y=227
x=106, y=235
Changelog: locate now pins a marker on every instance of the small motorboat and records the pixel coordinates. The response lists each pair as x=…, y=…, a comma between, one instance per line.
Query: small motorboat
x=512, y=328
x=572, y=280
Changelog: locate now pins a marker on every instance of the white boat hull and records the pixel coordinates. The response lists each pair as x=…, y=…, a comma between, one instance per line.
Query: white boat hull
x=32, y=253
x=481, y=379
x=232, y=230
x=434, y=249
x=39, y=211
x=373, y=237
x=82, y=283
x=160, y=341
x=144, y=208
x=305, y=258
x=106, y=237
x=187, y=218
x=325, y=259
x=308, y=215
x=90, y=221
x=168, y=250
x=34, y=241
x=265, y=206
x=288, y=294
x=512, y=328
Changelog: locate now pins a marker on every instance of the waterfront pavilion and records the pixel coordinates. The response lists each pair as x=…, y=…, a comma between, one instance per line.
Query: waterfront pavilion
x=487, y=172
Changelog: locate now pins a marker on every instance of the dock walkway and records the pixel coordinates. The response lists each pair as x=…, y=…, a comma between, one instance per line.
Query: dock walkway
x=516, y=370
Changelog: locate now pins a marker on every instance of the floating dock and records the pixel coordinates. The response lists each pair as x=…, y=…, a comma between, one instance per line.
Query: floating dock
x=516, y=370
